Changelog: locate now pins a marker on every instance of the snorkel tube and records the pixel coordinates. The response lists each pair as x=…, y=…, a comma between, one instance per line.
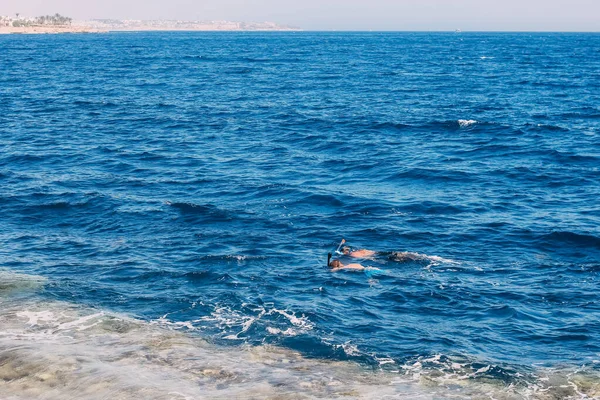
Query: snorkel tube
x=339, y=247
x=337, y=251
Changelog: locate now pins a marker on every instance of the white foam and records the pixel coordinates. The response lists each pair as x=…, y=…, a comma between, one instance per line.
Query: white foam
x=303, y=323
x=351, y=349
x=463, y=123
x=413, y=256
x=34, y=317
x=277, y=331
x=442, y=371
x=233, y=323
x=79, y=323
x=42, y=344
x=385, y=361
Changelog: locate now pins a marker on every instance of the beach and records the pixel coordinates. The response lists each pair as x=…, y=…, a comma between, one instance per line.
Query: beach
x=103, y=26
x=48, y=29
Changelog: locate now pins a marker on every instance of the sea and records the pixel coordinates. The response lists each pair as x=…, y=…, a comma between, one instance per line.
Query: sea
x=168, y=201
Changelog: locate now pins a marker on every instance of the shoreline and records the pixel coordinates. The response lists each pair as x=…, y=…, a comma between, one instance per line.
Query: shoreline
x=53, y=348
x=37, y=30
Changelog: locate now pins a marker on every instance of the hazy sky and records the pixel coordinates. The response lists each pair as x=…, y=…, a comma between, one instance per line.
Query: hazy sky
x=554, y=15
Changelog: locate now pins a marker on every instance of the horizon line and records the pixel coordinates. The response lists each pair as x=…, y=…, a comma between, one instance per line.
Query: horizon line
x=296, y=30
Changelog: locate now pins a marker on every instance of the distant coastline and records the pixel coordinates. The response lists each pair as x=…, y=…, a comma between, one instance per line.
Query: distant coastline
x=22, y=25
x=181, y=25
x=43, y=24
x=48, y=29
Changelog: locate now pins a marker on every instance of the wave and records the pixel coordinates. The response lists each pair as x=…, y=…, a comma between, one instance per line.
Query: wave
x=542, y=384
x=320, y=200
x=25, y=158
x=226, y=323
x=118, y=356
x=44, y=203
x=583, y=113
x=454, y=124
x=238, y=71
x=434, y=208
x=14, y=282
x=132, y=363
x=545, y=128
x=433, y=175
x=391, y=125
x=193, y=210
x=463, y=123
x=407, y=256
x=568, y=158
x=572, y=238
x=42, y=342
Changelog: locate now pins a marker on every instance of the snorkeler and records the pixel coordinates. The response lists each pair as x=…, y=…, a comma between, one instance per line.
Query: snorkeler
x=347, y=251
x=395, y=256
x=362, y=253
x=337, y=265
x=398, y=256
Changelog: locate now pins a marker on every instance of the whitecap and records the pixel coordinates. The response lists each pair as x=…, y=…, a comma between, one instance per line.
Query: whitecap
x=463, y=123
x=277, y=331
x=303, y=323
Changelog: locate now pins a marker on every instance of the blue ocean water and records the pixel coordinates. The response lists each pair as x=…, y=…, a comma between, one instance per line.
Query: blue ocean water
x=200, y=179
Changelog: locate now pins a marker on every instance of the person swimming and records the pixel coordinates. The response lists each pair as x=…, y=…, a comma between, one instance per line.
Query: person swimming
x=396, y=256
x=337, y=265
x=362, y=253
x=347, y=251
x=399, y=256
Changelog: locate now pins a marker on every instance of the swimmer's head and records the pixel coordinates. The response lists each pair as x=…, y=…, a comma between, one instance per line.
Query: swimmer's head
x=335, y=264
x=346, y=250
